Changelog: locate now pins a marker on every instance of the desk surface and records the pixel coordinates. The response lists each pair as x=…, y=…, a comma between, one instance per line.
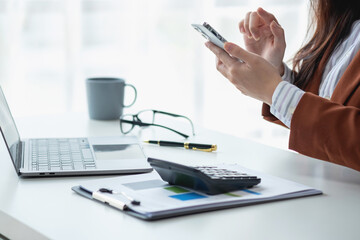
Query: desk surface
x=42, y=208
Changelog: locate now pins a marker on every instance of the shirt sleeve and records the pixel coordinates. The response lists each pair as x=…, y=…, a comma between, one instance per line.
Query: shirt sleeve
x=288, y=75
x=284, y=101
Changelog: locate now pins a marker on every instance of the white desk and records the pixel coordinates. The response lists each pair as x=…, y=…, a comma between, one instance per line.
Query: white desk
x=47, y=208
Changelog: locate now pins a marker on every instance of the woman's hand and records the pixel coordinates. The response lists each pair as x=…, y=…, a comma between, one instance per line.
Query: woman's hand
x=264, y=36
x=254, y=77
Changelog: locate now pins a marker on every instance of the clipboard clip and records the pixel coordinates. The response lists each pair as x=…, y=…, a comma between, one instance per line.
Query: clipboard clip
x=132, y=200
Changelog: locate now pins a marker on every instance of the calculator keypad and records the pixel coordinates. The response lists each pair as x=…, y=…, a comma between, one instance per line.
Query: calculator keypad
x=224, y=174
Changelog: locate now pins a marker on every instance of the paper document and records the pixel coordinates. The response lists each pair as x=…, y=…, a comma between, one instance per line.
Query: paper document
x=159, y=199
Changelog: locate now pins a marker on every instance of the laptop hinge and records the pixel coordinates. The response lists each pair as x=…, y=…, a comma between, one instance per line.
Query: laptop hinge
x=19, y=157
x=19, y=154
x=20, y=162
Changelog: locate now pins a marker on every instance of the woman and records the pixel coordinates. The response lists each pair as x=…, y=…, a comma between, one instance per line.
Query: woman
x=319, y=100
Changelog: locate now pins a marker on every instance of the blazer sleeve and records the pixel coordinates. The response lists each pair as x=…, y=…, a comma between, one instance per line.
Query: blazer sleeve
x=330, y=129
x=267, y=115
x=326, y=130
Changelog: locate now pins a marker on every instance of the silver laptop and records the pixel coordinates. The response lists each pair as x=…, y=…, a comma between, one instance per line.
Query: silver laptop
x=70, y=156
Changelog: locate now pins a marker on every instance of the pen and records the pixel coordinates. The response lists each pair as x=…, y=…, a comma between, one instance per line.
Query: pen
x=109, y=200
x=193, y=146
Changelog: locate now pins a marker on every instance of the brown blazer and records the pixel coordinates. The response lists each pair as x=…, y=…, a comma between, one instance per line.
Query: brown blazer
x=328, y=129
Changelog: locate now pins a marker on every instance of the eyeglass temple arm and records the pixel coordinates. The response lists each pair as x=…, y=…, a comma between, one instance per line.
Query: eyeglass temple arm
x=182, y=134
x=142, y=124
x=176, y=115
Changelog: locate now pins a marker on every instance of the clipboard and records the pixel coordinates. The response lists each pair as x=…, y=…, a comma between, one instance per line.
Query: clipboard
x=159, y=200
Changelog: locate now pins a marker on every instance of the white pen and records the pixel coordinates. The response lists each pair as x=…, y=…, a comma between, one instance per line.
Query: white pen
x=109, y=200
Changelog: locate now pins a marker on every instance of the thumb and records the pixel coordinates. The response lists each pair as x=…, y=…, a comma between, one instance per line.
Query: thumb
x=236, y=51
x=278, y=32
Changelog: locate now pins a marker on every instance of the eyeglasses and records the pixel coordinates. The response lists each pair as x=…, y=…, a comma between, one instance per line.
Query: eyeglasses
x=146, y=118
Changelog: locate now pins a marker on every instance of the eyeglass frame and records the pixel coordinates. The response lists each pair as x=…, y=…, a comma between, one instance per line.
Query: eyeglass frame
x=143, y=124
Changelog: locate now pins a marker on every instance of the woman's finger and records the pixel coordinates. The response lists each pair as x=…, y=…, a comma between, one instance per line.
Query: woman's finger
x=223, y=56
x=279, y=35
x=246, y=24
x=241, y=27
x=254, y=23
x=220, y=66
x=238, y=52
x=266, y=16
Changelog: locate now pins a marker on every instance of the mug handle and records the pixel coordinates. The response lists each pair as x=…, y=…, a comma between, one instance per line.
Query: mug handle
x=129, y=85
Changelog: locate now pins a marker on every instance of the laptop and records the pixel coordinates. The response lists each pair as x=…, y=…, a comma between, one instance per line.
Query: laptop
x=70, y=156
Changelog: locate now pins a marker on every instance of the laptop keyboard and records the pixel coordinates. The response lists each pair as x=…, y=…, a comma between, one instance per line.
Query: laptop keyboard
x=54, y=154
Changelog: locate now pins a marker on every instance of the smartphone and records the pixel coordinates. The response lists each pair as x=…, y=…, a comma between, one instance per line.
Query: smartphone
x=210, y=34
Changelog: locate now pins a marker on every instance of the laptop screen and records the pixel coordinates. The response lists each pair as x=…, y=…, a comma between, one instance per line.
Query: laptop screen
x=8, y=128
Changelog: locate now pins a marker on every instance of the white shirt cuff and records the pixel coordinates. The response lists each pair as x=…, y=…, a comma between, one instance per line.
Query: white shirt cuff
x=284, y=101
x=288, y=75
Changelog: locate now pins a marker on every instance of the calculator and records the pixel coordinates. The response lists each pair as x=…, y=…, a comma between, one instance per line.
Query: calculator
x=206, y=179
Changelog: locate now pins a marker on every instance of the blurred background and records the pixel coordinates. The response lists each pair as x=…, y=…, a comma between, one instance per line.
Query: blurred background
x=49, y=47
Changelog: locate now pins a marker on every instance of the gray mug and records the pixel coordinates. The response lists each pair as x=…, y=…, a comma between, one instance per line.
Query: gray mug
x=106, y=97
